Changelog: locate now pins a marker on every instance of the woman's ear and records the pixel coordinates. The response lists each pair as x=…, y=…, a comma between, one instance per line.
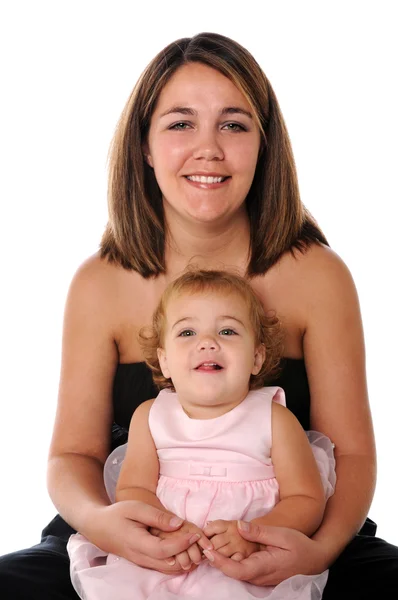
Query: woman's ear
x=147, y=155
x=259, y=358
x=163, y=363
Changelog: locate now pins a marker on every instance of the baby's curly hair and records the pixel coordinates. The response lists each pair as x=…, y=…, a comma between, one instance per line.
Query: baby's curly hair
x=266, y=327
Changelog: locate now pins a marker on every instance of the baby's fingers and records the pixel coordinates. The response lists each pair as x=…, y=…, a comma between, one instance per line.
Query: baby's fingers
x=226, y=550
x=195, y=554
x=238, y=556
x=205, y=543
x=215, y=527
x=184, y=560
x=221, y=540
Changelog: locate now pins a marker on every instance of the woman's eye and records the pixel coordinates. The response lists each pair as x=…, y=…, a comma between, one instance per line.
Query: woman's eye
x=235, y=127
x=186, y=333
x=179, y=126
x=227, y=331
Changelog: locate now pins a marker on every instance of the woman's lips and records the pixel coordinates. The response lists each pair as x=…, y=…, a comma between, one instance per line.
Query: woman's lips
x=209, y=183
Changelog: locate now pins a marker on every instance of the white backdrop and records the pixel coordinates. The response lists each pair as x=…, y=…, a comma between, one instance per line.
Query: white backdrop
x=67, y=69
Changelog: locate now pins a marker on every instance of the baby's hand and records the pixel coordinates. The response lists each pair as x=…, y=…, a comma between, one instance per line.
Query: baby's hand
x=191, y=556
x=227, y=540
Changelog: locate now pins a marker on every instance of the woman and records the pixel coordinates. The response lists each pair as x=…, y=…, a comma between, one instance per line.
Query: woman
x=201, y=170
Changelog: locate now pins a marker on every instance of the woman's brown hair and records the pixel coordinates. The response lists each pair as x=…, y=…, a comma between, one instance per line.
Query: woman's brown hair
x=266, y=326
x=135, y=234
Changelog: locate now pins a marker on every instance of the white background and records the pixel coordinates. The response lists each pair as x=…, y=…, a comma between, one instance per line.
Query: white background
x=67, y=70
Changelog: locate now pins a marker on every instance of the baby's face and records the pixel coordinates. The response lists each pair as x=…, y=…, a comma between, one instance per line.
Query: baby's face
x=209, y=350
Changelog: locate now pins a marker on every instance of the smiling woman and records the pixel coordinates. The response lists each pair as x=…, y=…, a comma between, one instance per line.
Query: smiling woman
x=201, y=170
x=213, y=147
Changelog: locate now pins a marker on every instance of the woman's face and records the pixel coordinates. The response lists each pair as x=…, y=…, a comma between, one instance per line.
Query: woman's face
x=203, y=145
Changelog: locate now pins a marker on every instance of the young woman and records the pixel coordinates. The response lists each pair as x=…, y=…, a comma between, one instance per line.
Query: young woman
x=202, y=169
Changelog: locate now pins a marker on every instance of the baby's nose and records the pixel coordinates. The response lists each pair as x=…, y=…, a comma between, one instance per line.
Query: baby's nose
x=208, y=342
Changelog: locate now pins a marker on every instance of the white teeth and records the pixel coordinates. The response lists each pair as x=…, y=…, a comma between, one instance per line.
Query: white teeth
x=203, y=179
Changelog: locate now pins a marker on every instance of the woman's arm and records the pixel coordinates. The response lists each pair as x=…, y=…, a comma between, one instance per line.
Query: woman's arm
x=80, y=442
x=335, y=361
x=81, y=437
x=302, y=498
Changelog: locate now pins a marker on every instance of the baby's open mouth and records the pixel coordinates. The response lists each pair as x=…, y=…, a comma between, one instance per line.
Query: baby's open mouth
x=208, y=366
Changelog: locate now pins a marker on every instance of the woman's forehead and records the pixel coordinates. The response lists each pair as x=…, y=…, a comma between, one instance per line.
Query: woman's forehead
x=196, y=86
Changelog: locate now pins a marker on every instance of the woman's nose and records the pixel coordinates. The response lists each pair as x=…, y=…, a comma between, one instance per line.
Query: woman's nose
x=208, y=146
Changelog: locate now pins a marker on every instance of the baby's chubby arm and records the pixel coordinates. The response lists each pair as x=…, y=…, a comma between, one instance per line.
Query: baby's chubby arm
x=138, y=481
x=140, y=469
x=302, y=498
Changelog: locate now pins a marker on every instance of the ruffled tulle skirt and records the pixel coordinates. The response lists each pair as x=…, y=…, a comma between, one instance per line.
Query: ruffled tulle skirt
x=97, y=575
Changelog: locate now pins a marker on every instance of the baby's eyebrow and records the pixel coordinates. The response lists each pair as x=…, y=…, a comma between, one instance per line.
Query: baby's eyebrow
x=233, y=319
x=220, y=318
x=182, y=320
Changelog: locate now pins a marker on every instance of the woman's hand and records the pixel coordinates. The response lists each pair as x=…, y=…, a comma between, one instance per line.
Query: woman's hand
x=122, y=529
x=287, y=552
x=193, y=555
x=226, y=539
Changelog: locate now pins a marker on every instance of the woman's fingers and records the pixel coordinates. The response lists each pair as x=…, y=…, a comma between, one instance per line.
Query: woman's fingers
x=152, y=517
x=246, y=570
x=142, y=541
x=268, y=535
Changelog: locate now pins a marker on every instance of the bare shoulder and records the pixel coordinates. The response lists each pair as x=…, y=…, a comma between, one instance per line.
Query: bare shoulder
x=317, y=269
x=282, y=417
x=97, y=274
x=319, y=264
x=286, y=430
x=142, y=411
x=109, y=293
x=320, y=278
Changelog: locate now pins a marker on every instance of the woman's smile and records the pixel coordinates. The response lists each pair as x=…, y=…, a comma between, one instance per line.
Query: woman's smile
x=203, y=145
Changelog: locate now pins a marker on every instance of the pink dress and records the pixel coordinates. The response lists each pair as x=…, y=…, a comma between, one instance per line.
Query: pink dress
x=209, y=469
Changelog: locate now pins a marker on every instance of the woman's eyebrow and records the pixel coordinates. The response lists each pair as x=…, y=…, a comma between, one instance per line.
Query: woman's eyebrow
x=185, y=110
x=230, y=110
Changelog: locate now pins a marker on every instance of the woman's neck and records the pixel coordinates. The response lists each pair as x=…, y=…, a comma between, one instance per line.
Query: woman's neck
x=209, y=245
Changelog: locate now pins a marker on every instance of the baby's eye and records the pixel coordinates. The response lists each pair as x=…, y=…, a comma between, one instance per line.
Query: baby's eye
x=227, y=331
x=186, y=333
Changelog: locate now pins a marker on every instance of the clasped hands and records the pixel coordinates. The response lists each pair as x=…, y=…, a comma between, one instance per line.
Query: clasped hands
x=270, y=554
x=261, y=555
x=225, y=539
